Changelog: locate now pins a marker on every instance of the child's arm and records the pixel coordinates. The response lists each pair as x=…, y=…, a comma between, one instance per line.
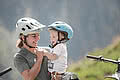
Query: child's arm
x=51, y=56
x=47, y=52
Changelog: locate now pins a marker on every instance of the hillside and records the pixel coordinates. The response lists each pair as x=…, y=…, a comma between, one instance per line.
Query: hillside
x=88, y=69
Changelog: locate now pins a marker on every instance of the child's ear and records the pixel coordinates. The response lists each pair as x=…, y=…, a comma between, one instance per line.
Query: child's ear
x=62, y=35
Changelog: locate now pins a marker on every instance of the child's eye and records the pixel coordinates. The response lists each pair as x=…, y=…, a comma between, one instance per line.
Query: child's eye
x=53, y=36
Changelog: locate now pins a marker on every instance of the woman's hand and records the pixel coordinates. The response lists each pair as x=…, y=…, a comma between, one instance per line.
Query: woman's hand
x=40, y=55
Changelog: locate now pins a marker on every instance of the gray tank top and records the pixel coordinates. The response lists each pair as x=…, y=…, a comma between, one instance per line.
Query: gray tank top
x=24, y=59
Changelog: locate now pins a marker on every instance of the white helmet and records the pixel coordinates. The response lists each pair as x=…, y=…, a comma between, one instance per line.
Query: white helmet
x=28, y=25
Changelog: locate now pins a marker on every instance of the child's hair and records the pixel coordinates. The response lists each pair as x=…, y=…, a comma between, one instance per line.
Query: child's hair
x=65, y=34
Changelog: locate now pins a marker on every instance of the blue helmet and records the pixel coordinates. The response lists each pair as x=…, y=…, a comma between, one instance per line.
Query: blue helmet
x=62, y=27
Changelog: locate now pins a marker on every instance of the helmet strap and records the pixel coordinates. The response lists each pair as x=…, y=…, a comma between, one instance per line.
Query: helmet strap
x=52, y=46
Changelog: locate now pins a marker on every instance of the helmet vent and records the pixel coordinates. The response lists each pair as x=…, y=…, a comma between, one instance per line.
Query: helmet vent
x=17, y=24
x=56, y=23
x=28, y=27
x=23, y=29
x=36, y=24
x=32, y=24
x=24, y=20
x=58, y=26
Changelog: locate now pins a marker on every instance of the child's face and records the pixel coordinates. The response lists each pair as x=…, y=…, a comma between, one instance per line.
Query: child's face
x=53, y=36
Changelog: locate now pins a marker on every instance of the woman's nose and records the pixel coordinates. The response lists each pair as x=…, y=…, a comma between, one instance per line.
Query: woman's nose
x=37, y=38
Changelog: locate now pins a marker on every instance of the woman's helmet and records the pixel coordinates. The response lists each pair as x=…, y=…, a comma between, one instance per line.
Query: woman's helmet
x=28, y=25
x=62, y=27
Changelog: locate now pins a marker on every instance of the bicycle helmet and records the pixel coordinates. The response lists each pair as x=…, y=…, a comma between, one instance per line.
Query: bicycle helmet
x=62, y=27
x=28, y=25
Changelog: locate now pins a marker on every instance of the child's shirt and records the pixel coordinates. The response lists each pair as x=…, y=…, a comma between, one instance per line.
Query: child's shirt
x=60, y=64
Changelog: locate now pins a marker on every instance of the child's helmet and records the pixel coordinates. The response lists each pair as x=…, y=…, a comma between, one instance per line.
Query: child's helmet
x=62, y=27
x=28, y=25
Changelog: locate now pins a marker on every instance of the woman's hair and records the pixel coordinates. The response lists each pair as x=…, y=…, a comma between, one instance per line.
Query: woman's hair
x=19, y=43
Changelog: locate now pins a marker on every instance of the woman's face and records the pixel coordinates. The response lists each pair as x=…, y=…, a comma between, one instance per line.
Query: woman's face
x=33, y=39
x=53, y=36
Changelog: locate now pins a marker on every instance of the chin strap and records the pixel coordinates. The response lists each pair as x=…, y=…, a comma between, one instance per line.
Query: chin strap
x=52, y=46
x=58, y=42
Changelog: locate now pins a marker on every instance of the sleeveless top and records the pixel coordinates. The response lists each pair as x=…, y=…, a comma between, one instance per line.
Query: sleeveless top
x=24, y=59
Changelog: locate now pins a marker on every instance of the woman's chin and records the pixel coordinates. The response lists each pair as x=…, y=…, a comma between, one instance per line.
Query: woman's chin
x=34, y=45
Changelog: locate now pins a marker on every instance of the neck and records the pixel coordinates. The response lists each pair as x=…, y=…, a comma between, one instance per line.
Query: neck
x=30, y=49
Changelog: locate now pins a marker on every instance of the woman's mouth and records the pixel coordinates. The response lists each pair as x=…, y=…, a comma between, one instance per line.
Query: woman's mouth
x=35, y=43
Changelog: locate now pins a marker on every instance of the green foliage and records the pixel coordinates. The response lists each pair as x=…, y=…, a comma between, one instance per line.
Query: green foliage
x=88, y=69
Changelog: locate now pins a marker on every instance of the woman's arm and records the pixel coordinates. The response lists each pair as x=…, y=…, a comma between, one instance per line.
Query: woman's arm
x=33, y=72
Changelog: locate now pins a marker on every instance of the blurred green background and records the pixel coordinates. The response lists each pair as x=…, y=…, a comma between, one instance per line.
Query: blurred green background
x=89, y=69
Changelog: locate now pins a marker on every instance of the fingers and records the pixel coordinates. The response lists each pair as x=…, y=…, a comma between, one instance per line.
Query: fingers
x=39, y=55
x=39, y=52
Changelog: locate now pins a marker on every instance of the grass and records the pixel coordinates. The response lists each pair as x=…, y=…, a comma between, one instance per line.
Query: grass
x=95, y=70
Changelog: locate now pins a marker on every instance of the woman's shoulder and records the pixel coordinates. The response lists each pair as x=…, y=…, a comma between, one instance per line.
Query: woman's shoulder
x=21, y=52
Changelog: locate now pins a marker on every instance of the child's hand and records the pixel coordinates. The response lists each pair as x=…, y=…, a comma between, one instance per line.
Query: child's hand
x=44, y=50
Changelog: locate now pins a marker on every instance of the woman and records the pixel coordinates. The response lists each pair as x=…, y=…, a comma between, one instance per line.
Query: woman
x=29, y=61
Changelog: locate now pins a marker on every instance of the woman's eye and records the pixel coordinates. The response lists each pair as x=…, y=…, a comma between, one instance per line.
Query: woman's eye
x=34, y=36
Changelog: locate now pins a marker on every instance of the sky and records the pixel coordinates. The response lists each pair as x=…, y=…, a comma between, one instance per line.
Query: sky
x=95, y=23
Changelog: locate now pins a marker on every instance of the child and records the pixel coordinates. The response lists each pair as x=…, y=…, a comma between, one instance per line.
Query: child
x=60, y=33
